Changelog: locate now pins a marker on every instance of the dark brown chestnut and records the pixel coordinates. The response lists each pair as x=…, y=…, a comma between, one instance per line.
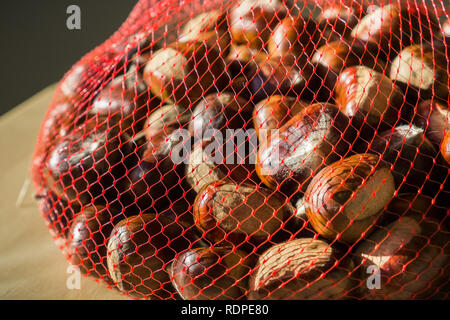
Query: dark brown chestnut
x=284, y=75
x=347, y=197
x=302, y=269
x=84, y=167
x=274, y=112
x=236, y=215
x=433, y=117
x=393, y=27
x=421, y=72
x=216, y=273
x=91, y=229
x=411, y=256
x=370, y=98
x=140, y=250
x=320, y=134
x=337, y=20
x=295, y=36
x=252, y=21
x=184, y=73
x=409, y=152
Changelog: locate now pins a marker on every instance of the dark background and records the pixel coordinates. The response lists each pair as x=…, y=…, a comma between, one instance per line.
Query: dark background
x=37, y=48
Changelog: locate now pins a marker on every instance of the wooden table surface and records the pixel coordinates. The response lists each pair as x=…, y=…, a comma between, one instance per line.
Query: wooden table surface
x=31, y=265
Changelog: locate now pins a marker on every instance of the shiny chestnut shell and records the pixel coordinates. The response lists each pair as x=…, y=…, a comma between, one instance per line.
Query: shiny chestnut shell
x=320, y=134
x=213, y=273
x=235, y=215
x=347, y=197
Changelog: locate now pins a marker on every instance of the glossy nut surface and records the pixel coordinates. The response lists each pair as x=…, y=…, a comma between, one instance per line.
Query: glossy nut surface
x=411, y=254
x=369, y=97
x=302, y=269
x=445, y=147
x=140, y=250
x=422, y=72
x=252, y=21
x=346, y=198
x=215, y=273
x=232, y=214
x=434, y=117
x=318, y=135
x=183, y=74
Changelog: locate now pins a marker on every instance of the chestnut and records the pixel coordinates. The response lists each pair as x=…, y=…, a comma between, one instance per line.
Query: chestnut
x=371, y=99
x=183, y=74
x=434, y=117
x=218, y=112
x=207, y=166
x=91, y=229
x=252, y=21
x=284, y=75
x=337, y=20
x=393, y=27
x=84, y=167
x=445, y=147
x=58, y=213
x=215, y=273
x=124, y=102
x=345, y=198
x=274, y=112
x=155, y=175
x=237, y=215
x=412, y=256
x=140, y=249
x=301, y=269
x=421, y=72
x=294, y=36
x=335, y=56
x=210, y=26
x=320, y=134
x=409, y=152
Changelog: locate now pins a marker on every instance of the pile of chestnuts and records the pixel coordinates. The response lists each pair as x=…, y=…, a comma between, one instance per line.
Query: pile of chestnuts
x=265, y=152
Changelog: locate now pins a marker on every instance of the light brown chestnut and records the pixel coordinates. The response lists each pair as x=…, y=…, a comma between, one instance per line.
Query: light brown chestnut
x=230, y=214
x=140, y=250
x=183, y=74
x=294, y=36
x=434, y=117
x=274, y=112
x=409, y=152
x=369, y=97
x=302, y=269
x=252, y=21
x=337, y=20
x=210, y=26
x=422, y=72
x=320, y=134
x=392, y=27
x=346, y=198
x=215, y=273
x=411, y=255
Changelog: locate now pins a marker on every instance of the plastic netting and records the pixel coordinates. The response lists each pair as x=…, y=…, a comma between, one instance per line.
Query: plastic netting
x=256, y=149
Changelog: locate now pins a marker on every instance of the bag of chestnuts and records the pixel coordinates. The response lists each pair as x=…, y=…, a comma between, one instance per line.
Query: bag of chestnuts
x=256, y=149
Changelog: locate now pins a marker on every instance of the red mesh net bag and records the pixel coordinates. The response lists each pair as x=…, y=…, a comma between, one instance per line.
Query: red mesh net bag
x=256, y=149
